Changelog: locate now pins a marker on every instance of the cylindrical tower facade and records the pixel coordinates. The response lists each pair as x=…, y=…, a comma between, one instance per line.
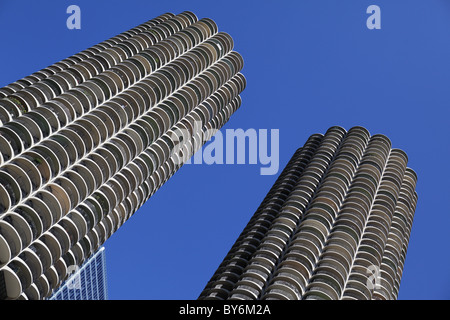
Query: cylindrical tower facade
x=86, y=141
x=335, y=225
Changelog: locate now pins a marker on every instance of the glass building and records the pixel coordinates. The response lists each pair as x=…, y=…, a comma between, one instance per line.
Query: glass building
x=88, y=282
x=88, y=140
x=335, y=225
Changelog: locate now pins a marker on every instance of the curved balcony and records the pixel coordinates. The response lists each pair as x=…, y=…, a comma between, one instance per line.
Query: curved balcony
x=54, y=150
x=61, y=270
x=101, y=233
x=45, y=88
x=132, y=180
x=123, y=74
x=87, y=215
x=30, y=258
x=45, y=206
x=78, y=253
x=32, y=218
x=21, y=226
x=103, y=123
x=94, y=207
x=110, y=194
x=113, y=155
x=85, y=96
x=70, y=146
x=62, y=196
x=62, y=238
x=23, y=101
x=22, y=271
x=119, y=113
x=94, y=239
x=42, y=164
x=100, y=164
x=10, y=189
x=42, y=252
x=12, y=283
x=138, y=99
x=79, y=221
x=30, y=170
x=125, y=106
x=71, y=230
x=123, y=182
x=106, y=84
x=93, y=91
x=52, y=277
x=87, y=137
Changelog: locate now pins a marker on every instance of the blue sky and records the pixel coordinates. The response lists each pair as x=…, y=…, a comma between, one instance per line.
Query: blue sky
x=309, y=65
